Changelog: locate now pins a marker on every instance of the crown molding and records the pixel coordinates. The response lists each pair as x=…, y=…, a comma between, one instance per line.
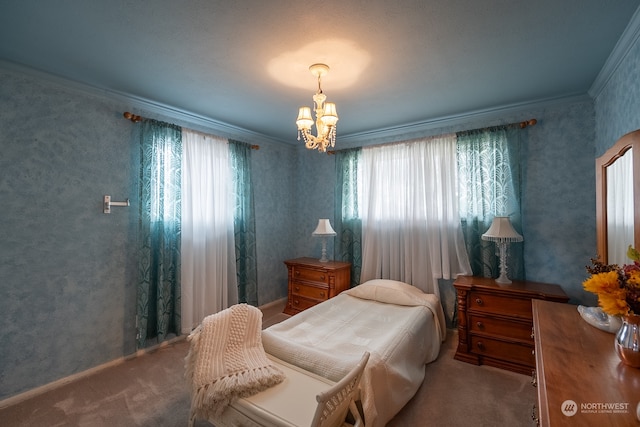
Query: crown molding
x=621, y=50
x=185, y=118
x=423, y=128
x=225, y=130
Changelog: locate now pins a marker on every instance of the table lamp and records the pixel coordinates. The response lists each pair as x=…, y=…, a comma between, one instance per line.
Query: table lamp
x=324, y=230
x=502, y=232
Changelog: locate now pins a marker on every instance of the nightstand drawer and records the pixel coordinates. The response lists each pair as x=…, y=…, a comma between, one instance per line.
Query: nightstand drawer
x=497, y=304
x=299, y=303
x=500, y=327
x=512, y=352
x=315, y=292
x=309, y=275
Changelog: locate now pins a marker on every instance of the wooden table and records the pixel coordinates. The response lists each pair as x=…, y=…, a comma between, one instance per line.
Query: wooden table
x=578, y=371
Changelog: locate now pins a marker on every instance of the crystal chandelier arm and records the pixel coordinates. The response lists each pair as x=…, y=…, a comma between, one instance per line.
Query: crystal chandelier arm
x=310, y=141
x=313, y=142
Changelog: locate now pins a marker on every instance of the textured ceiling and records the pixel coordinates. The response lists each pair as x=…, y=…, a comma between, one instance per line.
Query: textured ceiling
x=245, y=63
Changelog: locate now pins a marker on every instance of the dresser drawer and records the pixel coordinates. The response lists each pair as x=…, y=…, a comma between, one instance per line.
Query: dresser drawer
x=512, y=352
x=309, y=291
x=299, y=303
x=498, y=304
x=309, y=275
x=500, y=327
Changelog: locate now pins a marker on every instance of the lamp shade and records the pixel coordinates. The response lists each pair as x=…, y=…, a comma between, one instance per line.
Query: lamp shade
x=330, y=117
x=324, y=228
x=501, y=230
x=304, y=120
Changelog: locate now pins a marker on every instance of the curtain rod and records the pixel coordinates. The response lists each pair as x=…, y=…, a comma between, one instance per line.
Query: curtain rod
x=135, y=119
x=521, y=125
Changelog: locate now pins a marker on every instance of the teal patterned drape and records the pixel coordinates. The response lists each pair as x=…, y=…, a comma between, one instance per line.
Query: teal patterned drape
x=158, y=299
x=244, y=223
x=347, y=221
x=489, y=185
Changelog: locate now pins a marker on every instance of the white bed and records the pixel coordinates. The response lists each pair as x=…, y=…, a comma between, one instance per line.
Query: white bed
x=400, y=326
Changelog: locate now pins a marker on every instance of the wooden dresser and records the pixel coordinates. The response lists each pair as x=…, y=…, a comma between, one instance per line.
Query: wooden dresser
x=495, y=321
x=578, y=371
x=312, y=282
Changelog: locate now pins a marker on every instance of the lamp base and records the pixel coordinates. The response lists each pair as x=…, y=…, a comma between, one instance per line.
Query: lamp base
x=324, y=251
x=503, y=279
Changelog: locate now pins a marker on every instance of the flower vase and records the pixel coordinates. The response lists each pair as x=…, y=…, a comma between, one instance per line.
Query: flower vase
x=627, y=341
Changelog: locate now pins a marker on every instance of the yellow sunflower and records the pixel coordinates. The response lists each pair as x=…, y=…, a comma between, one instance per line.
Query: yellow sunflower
x=611, y=297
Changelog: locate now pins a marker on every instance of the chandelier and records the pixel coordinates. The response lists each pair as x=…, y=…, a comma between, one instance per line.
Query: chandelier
x=326, y=117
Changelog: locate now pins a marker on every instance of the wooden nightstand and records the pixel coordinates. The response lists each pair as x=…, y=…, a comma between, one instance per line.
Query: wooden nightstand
x=495, y=321
x=312, y=282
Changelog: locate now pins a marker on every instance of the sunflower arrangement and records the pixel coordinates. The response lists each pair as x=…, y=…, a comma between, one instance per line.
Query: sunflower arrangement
x=617, y=288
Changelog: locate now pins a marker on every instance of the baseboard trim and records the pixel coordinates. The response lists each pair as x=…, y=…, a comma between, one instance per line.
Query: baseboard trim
x=18, y=398
x=268, y=305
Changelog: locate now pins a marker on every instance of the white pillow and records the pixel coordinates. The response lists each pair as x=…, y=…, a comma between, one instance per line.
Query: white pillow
x=388, y=291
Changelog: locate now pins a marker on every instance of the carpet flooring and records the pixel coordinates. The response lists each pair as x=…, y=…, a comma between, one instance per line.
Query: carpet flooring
x=150, y=390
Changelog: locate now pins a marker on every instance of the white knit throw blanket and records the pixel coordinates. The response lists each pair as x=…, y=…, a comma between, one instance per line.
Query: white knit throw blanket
x=227, y=361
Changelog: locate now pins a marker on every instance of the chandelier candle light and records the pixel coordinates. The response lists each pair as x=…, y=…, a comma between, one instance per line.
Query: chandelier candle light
x=326, y=117
x=324, y=230
x=502, y=232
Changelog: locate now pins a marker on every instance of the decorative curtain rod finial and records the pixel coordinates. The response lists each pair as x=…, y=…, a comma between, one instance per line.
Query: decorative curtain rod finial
x=129, y=116
x=528, y=123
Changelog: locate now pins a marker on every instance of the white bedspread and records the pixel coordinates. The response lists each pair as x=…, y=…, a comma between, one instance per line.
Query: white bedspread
x=330, y=338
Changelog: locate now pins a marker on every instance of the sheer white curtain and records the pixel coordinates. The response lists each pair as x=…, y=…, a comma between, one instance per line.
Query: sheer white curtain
x=208, y=272
x=621, y=209
x=410, y=221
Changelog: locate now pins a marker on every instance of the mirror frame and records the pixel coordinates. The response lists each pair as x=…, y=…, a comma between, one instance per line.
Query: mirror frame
x=630, y=141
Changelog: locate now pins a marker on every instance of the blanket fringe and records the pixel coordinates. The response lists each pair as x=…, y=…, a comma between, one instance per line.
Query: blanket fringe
x=212, y=399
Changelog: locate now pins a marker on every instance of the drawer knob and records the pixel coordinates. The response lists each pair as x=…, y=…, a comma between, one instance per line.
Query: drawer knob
x=479, y=301
x=322, y=277
x=297, y=273
x=480, y=345
x=480, y=325
x=296, y=302
x=297, y=288
x=322, y=294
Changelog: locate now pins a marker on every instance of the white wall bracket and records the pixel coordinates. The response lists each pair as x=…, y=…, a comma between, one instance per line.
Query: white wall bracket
x=108, y=203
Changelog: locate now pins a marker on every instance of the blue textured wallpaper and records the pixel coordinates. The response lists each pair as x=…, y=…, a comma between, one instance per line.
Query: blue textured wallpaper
x=65, y=267
x=618, y=104
x=274, y=170
x=314, y=200
x=559, y=198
